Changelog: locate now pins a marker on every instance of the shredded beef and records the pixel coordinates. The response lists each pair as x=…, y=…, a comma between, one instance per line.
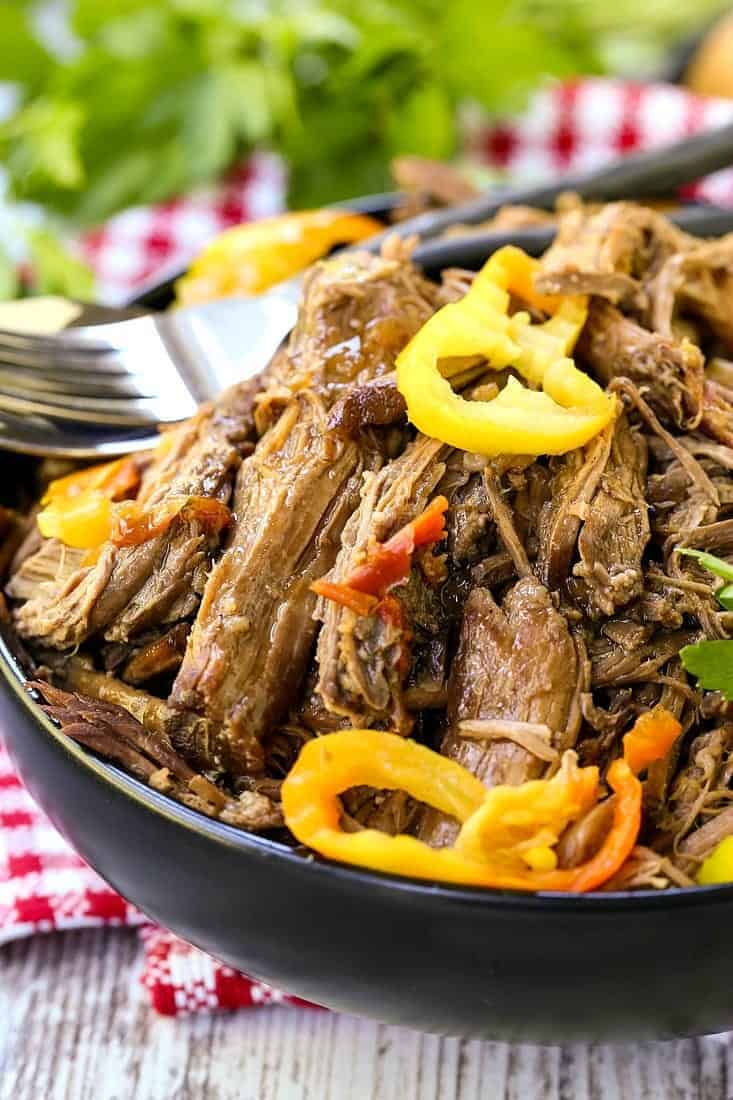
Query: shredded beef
x=133, y=588
x=432, y=179
x=360, y=656
x=517, y=662
x=252, y=639
x=697, y=783
x=111, y=731
x=717, y=412
x=606, y=251
x=696, y=282
x=575, y=478
x=615, y=533
x=375, y=404
x=670, y=370
x=158, y=657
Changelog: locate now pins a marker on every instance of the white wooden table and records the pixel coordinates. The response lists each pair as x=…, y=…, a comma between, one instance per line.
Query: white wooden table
x=74, y=1025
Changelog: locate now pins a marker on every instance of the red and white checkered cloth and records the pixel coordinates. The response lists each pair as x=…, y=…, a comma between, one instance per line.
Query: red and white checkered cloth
x=128, y=250
x=583, y=124
x=44, y=885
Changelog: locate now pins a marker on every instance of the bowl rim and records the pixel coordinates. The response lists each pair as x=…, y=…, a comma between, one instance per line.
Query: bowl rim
x=14, y=683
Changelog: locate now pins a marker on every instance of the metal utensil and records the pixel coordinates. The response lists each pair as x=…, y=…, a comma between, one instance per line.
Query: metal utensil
x=101, y=389
x=151, y=369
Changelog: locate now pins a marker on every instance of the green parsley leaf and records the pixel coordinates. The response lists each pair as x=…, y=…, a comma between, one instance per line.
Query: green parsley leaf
x=22, y=57
x=725, y=597
x=718, y=568
x=714, y=565
x=711, y=663
x=41, y=145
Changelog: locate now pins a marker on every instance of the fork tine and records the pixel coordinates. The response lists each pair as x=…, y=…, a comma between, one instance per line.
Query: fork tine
x=96, y=347
x=102, y=411
x=111, y=362
x=22, y=382
x=95, y=339
x=142, y=349
x=13, y=339
x=26, y=407
x=37, y=435
x=137, y=362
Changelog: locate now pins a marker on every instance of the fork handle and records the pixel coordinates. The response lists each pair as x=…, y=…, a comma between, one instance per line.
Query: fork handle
x=655, y=172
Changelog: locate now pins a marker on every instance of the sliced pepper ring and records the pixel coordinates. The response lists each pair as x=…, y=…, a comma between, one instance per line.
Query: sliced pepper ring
x=329, y=765
x=568, y=410
x=248, y=259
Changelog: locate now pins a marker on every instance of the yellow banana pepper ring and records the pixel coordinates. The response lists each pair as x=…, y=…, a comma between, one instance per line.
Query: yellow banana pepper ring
x=507, y=833
x=331, y=764
x=718, y=866
x=520, y=825
x=251, y=258
x=568, y=410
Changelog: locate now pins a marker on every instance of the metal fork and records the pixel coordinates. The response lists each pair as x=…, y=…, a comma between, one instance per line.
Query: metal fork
x=101, y=389
x=146, y=370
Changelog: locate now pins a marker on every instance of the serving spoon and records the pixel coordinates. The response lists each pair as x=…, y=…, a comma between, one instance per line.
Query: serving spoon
x=100, y=390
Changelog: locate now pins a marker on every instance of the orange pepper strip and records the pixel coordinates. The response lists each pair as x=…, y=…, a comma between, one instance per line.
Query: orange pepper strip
x=133, y=525
x=358, y=602
x=517, y=273
x=77, y=508
x=388, y=563
x=619, y=841
x=651, y=738
x=249, y=259
x=115, y=480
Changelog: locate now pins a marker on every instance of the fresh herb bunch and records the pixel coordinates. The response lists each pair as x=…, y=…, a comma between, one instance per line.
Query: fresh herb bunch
x=153, y=97
x=158, y=97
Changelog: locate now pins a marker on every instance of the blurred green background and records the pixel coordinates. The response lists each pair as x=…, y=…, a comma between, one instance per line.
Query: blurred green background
x=114, y=102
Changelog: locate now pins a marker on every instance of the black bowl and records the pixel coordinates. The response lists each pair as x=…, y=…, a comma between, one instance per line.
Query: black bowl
x=542, y=968
x=501, y=965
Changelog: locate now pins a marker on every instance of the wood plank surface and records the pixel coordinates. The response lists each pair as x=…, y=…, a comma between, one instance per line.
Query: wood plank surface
x=75, y=1025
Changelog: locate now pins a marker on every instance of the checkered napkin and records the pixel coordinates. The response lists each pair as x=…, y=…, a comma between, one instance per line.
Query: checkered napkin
x=44, y=885
x=134, y=247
